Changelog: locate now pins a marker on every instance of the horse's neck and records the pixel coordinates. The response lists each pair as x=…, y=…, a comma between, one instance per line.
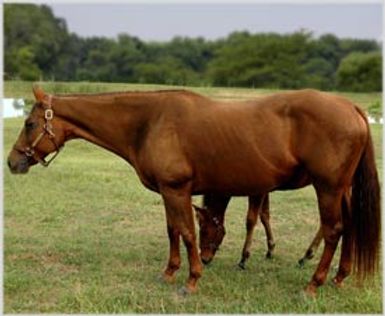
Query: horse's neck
x=110, y=122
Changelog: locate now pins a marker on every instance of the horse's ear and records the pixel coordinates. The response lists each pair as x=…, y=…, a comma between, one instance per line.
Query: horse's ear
x=198, y=211
x=196, y=208
x=38, y=93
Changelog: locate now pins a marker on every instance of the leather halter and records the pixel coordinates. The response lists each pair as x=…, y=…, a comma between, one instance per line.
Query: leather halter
x=219, y=228
x=29, y=151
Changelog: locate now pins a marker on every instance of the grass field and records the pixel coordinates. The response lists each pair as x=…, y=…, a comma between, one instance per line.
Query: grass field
x=84, y=236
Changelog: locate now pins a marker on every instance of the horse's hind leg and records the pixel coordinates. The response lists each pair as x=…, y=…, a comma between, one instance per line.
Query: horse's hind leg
x=345, y=265
x=251, y=219
x=329, y=202
x=265, y=219
x=309, y=254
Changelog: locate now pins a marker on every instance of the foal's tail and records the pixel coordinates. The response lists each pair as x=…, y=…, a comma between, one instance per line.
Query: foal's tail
x=366, y=212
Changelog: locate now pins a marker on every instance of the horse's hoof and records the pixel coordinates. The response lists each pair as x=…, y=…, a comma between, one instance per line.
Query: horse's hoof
x=337, y=284
x=185, y=291
x=242, y=265
x=269, y=255
x=311, y=291
x=166, y=278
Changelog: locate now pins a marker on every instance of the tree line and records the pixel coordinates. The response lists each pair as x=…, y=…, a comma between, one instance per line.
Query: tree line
x=38, y=45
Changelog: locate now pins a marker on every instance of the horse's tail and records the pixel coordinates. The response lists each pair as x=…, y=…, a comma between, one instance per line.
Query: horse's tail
x=366, y=212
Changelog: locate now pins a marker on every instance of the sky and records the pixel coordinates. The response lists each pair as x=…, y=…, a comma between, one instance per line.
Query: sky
x=162, y=22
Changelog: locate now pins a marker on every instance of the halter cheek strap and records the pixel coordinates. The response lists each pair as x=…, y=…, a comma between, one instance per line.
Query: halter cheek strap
x=29, y=151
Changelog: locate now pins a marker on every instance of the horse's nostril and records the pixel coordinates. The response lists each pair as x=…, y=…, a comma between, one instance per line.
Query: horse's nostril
x=9, y=163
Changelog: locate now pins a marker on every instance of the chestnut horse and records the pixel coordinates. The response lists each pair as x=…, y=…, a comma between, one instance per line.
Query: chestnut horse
x=211, y=217
x=248, y=149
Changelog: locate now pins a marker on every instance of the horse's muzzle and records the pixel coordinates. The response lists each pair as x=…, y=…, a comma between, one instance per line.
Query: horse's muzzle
x=206, y=261
x=18, y=165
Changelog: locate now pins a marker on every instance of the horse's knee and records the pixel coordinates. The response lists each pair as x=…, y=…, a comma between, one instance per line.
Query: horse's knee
x=189, y=238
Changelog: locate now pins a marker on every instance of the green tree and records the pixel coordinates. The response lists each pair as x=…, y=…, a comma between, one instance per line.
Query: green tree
x=35, y=27
x=319, y=74
x=167, y=70
x=260, y=60
x=26, y=68
x=95, y=61
x=360, y=72
x=127, y=53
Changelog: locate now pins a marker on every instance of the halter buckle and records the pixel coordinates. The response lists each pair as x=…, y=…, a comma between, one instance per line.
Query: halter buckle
x=29, y=152
x=48, y=114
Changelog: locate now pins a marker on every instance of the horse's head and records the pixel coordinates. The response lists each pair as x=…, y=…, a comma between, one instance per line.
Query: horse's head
x=41, y=135
x=211, y=233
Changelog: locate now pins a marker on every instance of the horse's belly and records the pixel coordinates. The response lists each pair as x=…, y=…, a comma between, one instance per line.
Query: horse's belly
x=238, y=179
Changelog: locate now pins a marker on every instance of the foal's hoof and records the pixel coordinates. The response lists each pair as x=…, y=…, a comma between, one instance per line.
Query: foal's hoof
x=269, y=255
x=242, y=265
x=185, y=291
x=301, y=263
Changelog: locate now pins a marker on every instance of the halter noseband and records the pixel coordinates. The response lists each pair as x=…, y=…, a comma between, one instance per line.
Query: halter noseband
x=29, y=151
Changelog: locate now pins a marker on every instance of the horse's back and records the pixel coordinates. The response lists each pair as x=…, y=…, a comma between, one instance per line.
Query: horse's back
x=243, y=148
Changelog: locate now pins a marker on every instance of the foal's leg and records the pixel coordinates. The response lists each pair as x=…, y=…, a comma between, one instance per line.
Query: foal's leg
x=252, y=216
x=309, y=254
x=265, y=219
x=180, y=214
x=345, y=266
x=331, y=218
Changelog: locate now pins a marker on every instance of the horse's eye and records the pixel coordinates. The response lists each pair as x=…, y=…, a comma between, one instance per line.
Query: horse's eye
x=29, y=125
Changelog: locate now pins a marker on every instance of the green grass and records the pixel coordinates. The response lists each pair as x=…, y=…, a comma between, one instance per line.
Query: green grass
x=84, y=236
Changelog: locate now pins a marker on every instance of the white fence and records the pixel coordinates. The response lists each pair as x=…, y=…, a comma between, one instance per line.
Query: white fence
x=13, y=107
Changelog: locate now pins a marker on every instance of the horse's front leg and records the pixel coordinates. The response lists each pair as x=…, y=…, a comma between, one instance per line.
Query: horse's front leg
x=174, y=257
x=179, y=212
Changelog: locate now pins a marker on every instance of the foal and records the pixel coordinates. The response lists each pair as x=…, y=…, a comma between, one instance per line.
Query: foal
x=212, y=231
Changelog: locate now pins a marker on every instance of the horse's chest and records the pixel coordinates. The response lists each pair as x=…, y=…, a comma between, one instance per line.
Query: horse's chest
x=156, y=168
